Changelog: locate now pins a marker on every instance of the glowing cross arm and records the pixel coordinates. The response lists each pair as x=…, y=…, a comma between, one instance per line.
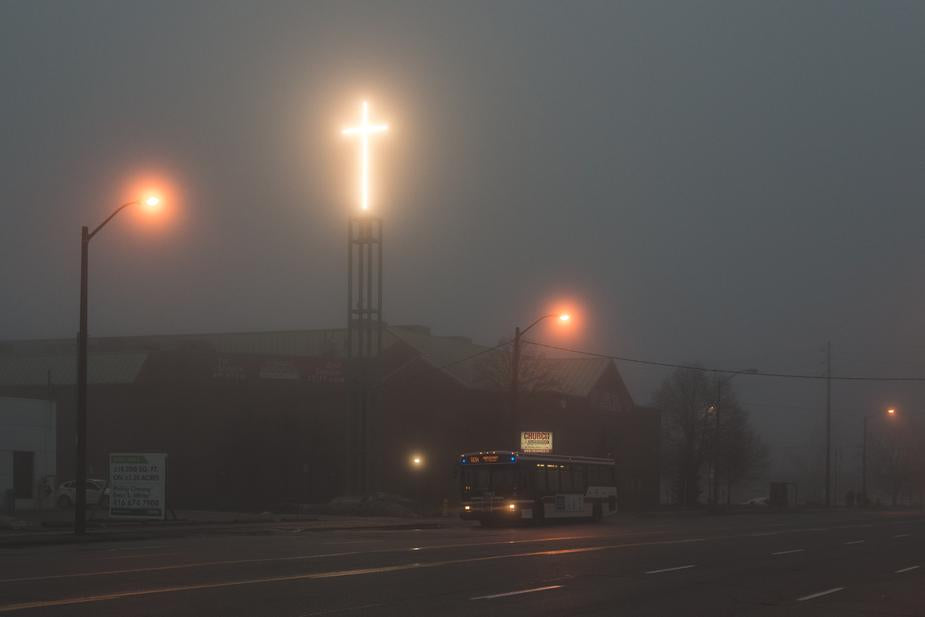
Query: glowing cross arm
x=364, y=130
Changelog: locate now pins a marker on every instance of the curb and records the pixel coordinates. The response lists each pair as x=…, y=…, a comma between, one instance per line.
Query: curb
x=27, y=539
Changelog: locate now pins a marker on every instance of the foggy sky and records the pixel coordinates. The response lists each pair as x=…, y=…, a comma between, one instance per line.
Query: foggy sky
x=725, y=183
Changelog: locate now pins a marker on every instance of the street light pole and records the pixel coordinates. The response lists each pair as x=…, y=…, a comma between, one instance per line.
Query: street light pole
x=80, y=498
x=515, y=370
x=890, y=412
x=80, y=505
x=515, y=380
x=864, y=464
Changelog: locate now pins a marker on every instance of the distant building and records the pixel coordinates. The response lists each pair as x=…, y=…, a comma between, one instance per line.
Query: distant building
x=27, y=452
x=251, y=420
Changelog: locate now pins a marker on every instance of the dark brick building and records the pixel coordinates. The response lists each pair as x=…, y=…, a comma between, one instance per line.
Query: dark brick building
x=250, y=420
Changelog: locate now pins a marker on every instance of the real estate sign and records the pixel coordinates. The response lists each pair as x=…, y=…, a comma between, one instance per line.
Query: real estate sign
x=537, y=442
x=139, y=486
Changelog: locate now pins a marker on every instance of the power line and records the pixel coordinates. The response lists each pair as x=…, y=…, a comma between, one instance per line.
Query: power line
x=428, y=369
x=726, y=371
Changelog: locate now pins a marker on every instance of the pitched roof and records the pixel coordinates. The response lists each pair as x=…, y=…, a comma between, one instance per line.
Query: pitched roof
x=120, y=359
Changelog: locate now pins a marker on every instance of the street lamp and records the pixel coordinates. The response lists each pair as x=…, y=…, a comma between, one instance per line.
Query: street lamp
x=515, y=366
x=80, y=506
x=890, y=412
x=717, y=408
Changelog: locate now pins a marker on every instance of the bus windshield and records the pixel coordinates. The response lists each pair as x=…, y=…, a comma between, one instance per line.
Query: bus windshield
x=479, y=480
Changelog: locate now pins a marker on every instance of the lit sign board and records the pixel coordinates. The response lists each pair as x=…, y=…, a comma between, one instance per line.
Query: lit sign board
x=539, y=442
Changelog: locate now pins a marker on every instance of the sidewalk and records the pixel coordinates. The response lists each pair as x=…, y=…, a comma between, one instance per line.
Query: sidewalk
x=56, y=527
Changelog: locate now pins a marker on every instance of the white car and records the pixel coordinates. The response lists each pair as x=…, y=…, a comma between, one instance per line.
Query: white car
x=97, y=493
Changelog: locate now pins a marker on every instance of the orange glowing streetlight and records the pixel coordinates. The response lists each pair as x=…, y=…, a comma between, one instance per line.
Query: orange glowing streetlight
x=891, y=413
x=151, y=201
x=562, y=318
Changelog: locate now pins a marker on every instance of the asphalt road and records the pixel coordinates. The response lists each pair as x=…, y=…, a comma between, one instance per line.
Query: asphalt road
x=762, y=564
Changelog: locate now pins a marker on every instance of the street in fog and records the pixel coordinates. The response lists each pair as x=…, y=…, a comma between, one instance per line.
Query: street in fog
x=679, y=564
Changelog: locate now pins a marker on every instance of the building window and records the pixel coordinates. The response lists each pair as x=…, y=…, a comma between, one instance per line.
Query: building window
x=23, y=474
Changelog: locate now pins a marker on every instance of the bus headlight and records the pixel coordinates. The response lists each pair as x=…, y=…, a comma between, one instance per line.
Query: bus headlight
x=512, y=506
x=467, y=508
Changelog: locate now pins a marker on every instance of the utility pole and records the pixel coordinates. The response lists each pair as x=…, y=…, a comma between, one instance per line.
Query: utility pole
x=80, y=501
x=863, y=497
x=828, y=424
x=515, y=385
x=714, y=498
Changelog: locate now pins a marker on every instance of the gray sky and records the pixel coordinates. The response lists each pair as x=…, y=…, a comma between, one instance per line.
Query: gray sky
x=730, y=183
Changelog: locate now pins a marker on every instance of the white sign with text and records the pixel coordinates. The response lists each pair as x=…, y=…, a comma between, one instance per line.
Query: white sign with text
x=138, y=485
x=538, y=442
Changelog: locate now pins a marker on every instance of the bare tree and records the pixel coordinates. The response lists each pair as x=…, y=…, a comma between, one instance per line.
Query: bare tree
x=741, y=455
x=692, y=439
x=683, y=399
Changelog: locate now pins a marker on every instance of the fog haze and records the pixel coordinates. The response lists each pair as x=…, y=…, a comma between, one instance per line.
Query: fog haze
x=731, y=183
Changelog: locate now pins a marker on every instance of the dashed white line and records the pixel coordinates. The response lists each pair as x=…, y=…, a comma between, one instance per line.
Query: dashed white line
x=517, y=593
x=909, y=569
x=341, y=610
x=793, y=550
x=820, y=594
x=854, y=542
x=674, y=569
x=902, y=535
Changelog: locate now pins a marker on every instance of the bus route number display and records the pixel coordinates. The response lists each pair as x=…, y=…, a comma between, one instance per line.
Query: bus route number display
x=138, y=484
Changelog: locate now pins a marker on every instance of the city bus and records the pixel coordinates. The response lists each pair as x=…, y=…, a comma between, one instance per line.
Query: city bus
x=509, y=486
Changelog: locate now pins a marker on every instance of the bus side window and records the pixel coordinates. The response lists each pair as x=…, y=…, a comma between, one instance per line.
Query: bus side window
x=552, y=477
x=565, y=478
x=539, y=479
x=578, y=478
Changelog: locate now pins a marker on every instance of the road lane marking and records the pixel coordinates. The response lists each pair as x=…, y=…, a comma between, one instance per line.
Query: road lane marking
x=793, y=550
x=181, y=566
x=6, y=608
x=517, y=593
x=820, y=594
x=342, y=610
x=232, y=562
x=693, y=565
x=909, y=569
x=902, y=535
x=145, y=555
x=854, y=542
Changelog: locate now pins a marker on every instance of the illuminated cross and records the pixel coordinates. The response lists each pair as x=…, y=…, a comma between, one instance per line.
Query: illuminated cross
x=364, y=130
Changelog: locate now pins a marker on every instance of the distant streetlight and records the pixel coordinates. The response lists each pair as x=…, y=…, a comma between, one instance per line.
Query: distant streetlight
x=417, y=461
x=80, y=505
x=515, y=366
x=716, y=409
x=890, y=412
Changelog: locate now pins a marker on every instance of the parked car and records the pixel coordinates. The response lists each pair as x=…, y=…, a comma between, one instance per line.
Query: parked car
x=97, y=493
x=756, y=501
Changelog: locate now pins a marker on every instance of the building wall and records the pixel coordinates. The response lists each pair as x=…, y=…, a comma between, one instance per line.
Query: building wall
x=238, y=437
x=28, y=425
